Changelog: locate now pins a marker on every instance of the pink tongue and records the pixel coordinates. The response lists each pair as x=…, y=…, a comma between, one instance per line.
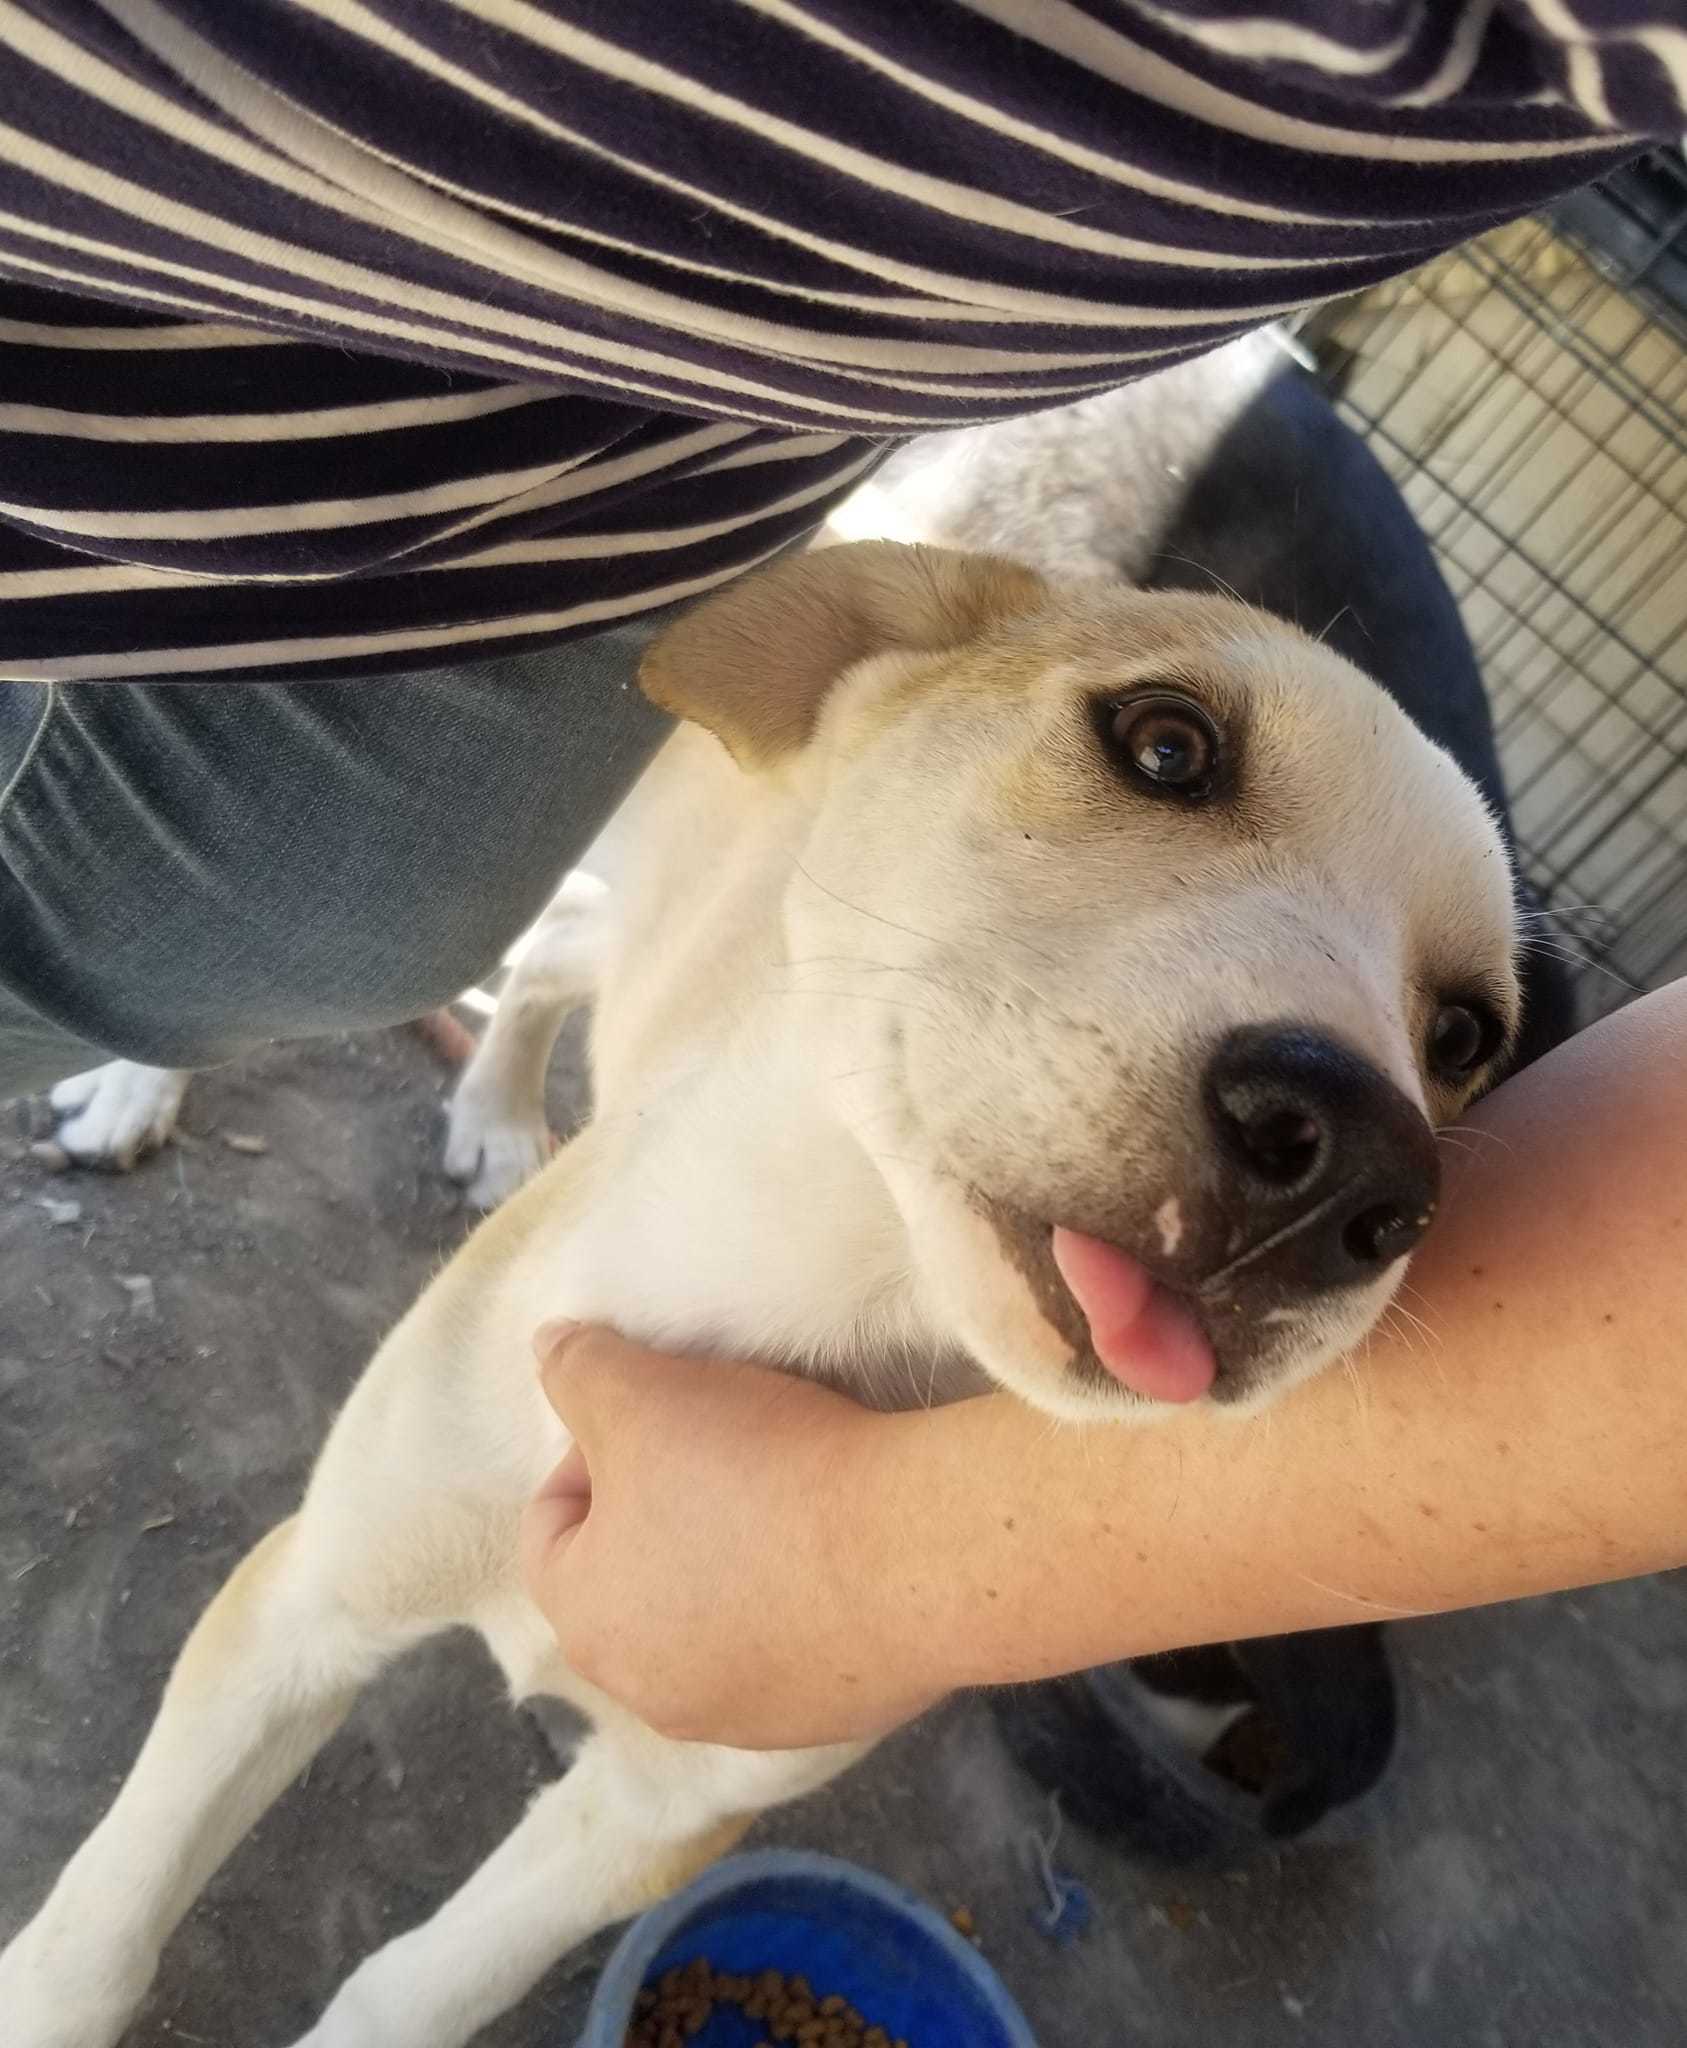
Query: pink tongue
x=1144, y=1336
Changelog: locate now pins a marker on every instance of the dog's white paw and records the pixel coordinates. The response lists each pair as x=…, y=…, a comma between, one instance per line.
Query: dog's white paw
x=50, y=1998
x=359, y=2017
x=115, y=1114
x=493, y=1146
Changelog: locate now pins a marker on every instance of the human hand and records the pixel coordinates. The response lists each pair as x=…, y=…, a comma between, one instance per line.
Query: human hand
x=702, y=1551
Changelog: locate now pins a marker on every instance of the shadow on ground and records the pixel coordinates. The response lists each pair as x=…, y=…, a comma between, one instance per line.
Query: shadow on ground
x=1521, y=1879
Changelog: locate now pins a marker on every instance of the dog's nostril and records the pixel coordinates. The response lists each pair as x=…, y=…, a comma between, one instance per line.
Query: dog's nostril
x=1327, y=1173
x=1282, y=1145
x=1383, y=1233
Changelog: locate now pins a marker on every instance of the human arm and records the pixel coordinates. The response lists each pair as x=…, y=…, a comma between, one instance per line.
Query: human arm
x=766, y=1564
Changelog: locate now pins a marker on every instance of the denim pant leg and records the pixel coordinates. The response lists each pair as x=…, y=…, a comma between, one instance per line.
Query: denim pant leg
x=188, y=870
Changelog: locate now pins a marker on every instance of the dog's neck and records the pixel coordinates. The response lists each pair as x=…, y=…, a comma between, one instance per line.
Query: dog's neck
x=736, y=1216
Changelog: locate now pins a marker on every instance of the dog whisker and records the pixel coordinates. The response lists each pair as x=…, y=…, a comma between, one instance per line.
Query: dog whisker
x=861, y=910
x=1007, y=938
x=1429, y=1344
x=871, y=966
x=855, y=995
x=910, y=931
x=1429, y=1334
x=1572, y=958
x=1548, y=911
x=1418, y=1294
x=1329, y=627
x=1475, y=1131
x=1360, y=1389
x=963, y=986
x=1562, y=923
x=1053, y=1426
x=1229, y=589
x=1402, y=1336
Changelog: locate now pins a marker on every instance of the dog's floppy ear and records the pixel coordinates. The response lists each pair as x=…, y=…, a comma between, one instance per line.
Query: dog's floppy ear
x=755, y=663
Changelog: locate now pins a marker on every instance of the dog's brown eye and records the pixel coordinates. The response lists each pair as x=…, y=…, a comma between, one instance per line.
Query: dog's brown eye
x=1462, y=1037
x=1166, y=741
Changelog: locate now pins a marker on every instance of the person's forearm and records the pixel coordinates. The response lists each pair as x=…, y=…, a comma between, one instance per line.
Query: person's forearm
x=1523, y=1428
x=748, y=1558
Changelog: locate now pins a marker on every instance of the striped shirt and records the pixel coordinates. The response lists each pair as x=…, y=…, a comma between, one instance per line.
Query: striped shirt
x=350, y=336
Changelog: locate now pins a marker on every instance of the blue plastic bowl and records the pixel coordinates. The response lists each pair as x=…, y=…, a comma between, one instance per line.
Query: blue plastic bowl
x=845, y=1929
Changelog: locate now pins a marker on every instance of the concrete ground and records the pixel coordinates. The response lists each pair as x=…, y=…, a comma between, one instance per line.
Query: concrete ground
x=1521, y=1879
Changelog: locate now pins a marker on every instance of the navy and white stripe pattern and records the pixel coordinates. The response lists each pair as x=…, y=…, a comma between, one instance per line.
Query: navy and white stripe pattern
x=359, y=335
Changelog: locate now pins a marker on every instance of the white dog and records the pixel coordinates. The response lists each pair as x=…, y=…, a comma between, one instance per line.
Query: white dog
x=1080, y=490
x=1053, y=986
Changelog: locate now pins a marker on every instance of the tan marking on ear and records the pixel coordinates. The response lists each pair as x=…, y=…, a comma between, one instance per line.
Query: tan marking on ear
x=755, y=663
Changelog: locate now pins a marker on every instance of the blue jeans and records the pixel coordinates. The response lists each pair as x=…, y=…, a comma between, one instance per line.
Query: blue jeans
x=190, y=869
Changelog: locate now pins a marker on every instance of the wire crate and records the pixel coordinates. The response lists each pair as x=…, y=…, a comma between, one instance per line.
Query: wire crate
x=1529, y=395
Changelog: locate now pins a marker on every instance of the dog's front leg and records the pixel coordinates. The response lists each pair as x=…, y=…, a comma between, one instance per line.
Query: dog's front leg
x=497, y=1136
x=633, y=1820
x=116, y=1114
x=262, y=1682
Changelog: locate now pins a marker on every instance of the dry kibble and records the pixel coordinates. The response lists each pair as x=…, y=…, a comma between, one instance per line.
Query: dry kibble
x=679, y=2006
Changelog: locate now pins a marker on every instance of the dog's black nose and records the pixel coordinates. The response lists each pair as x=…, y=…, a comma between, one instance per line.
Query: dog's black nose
x=1335, y=1169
